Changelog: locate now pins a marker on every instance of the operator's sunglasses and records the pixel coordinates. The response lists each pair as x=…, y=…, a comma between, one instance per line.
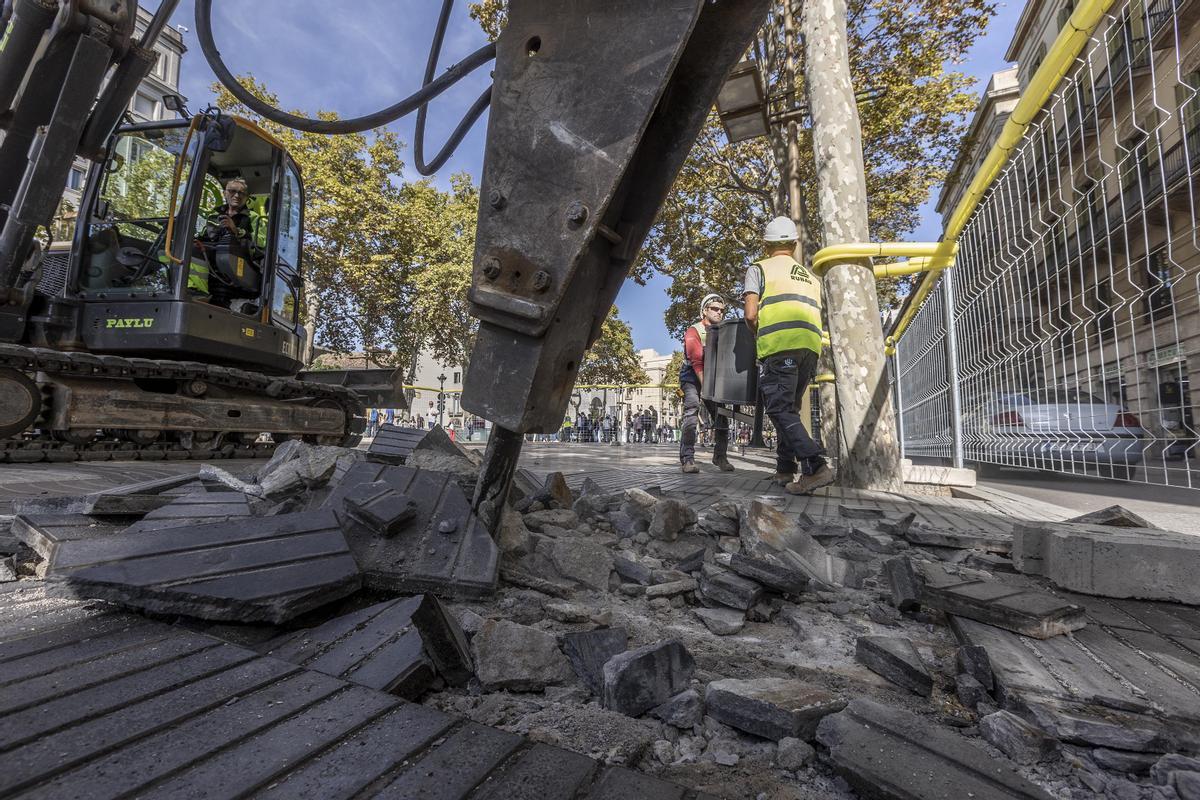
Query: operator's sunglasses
x=717, y=308
x=238, y=192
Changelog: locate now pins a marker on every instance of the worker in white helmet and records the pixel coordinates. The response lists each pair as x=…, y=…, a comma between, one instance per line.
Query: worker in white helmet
x=783, y=308
x=691, y=377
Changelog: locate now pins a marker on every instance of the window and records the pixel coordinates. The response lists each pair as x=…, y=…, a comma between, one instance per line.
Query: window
x=75, y=179
x=162, y=65
x=1159, y=282
x=1187, y=97
x=145, y=107
x=1064, y=13
x=457, y=378
x=285, y=299
x=290, y=219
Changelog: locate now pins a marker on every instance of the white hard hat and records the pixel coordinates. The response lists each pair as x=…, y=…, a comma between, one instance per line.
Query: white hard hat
x=781, y=229
x=708, y=298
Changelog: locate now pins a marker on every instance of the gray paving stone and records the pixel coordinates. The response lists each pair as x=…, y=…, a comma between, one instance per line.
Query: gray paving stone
x=198, y=508
x=731, y=590
x=905, y=582
x=1016, y=738
x=1114, y=516
x=270, y=569
x=773, y=708
x=769, y=571
x=380, y=508
x=45, y=533
x=393, y=444
x=895, y=658
x=455, y=767
x=399, y=646
x=1029, y=612
x=991, y=542
x=638, y=680
x=973, y=660
x=923, y=761
x=461, y=563
x=132, y=499
x=1118, y=562
x=722, y=621
x=588, y=651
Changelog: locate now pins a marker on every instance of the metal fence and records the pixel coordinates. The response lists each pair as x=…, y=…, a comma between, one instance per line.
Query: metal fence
x=1076, y=302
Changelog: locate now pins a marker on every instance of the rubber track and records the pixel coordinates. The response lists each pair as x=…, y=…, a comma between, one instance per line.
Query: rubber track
x=89, y=365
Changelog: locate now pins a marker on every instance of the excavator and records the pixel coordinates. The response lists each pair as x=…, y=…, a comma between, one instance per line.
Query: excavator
x=108, y=347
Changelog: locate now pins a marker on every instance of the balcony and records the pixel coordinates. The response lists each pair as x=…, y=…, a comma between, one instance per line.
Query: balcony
x=1147, y=185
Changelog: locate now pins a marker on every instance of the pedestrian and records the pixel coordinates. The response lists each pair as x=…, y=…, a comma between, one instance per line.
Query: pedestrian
x=389, y=416
x=691, y=377
x=372, y=423
x=783, y=308
x=431, y=417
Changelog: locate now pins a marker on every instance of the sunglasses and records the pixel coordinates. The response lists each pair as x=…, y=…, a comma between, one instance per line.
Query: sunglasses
x=237, y=192
x=717, y=308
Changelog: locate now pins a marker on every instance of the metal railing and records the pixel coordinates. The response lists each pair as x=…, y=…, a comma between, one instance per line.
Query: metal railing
x=1075, y=311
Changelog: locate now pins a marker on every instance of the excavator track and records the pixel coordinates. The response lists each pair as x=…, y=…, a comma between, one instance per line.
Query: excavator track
x=51, y=369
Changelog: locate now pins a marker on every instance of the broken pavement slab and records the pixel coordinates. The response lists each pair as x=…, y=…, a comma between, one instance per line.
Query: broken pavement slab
x=1117, y=562
x=200, y=508
x=589, y=651
x=885, y=752
x=518, y=657
x=393, y=444
x=638, y=680
x=773, y=708
x=989, y=542
x=380, y=507
x=895, y=658
x=461, y=561
x=46, y=533
x=399, y=646
x=132, y=500
x=1016, y=608
x=1114, y=516
x=269, y=569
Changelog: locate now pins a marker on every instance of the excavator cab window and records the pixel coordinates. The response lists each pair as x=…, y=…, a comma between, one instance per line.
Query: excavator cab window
x=285, y=295
x=124, y=252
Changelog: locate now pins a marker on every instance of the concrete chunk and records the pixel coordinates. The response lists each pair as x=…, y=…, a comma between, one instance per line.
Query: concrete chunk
x=1119, y=562
x=632, y=571
x=731, y=590
x=638, y=680
x=769, y=571
x=773, y=708
x=895, y=658
x=722, y=621
x=1016, y=738
x=885, y=752
x=589, y=651
x=963, y=540
x=906, y=583
x=684, y=710
x=517, y=657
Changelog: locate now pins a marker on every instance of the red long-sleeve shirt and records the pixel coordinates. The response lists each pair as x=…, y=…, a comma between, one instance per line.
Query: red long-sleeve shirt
x=693, y=351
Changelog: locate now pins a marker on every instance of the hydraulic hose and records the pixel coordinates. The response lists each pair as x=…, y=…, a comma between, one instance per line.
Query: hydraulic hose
x=414, y=102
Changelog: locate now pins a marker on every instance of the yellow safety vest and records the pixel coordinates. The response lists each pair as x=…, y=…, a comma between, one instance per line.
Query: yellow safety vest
x=789, y=308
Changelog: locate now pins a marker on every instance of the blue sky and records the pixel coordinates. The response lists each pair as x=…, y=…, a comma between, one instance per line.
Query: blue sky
x=319, y=56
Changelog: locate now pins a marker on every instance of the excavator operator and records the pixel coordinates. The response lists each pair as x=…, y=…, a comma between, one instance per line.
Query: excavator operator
x=231, y=244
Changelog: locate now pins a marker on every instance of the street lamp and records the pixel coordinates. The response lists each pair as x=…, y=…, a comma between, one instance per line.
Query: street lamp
x=741, y=103
x=441, y=399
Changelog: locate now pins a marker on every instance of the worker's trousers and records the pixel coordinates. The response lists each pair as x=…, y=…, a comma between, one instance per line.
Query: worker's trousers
x=783, y=380
x=691, y=412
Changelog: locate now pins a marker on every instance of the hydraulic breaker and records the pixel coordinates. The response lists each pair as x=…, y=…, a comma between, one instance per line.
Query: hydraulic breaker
x=595, y=106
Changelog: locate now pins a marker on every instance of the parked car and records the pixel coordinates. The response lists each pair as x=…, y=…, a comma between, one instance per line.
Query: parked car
x=1056, y=429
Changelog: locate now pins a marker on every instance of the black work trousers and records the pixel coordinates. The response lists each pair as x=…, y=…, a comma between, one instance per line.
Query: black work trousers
x=691, y=412
x=783, y=380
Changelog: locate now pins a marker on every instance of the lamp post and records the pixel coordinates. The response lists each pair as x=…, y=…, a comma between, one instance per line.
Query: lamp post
x=441, y=406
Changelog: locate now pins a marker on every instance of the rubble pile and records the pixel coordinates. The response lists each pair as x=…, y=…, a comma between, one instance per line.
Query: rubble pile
x=735, y=649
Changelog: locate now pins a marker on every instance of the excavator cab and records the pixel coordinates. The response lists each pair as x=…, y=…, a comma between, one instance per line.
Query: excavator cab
x=151, y=268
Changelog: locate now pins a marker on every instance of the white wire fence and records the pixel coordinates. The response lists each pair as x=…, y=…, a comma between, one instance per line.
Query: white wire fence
x=1076, y=291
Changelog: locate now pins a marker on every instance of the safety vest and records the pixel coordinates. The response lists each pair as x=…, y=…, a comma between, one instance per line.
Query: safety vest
x=789, y=308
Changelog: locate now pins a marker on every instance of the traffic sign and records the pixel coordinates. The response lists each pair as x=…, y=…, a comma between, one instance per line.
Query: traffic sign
x=441, y=405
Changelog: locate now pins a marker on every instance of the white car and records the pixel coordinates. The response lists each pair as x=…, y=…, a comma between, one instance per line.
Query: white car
x=1063, y=430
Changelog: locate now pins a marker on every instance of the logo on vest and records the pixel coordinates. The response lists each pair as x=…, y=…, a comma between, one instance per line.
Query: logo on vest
x=799, y=273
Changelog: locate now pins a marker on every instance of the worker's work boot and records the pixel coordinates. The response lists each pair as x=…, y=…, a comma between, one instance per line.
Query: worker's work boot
x=783, y=478
x=690, y=468
x=723, y=464
x=807, y=484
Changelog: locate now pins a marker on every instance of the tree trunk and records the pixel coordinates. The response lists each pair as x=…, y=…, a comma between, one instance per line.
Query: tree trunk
x=866, y=420
x=792, y=132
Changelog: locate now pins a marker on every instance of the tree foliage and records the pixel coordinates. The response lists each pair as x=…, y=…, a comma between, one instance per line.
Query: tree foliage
x=612, y=359
x=709, y=229
x=386, y=262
